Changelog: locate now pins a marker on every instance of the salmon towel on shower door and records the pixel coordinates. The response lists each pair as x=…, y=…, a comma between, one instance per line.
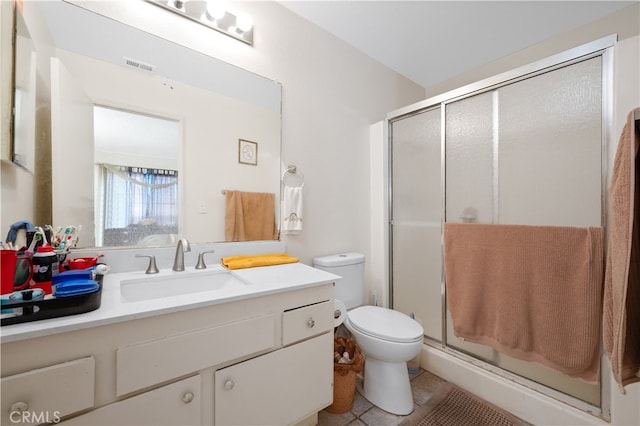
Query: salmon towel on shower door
x=530, y=292
x=621, y=316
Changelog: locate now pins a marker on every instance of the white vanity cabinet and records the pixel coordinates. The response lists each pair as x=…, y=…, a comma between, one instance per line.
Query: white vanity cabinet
x=269, y=355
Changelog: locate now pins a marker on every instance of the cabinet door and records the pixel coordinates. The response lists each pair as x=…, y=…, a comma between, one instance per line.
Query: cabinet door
x=278, y=388
x=175, y=404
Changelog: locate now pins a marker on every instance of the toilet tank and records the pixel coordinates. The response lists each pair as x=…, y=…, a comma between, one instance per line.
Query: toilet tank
x=350, y=266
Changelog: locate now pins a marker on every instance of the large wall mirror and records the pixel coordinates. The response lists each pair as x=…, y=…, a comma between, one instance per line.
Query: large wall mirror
x=130, y=109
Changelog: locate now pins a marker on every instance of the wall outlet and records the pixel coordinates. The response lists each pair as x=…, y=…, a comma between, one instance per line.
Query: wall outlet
x=202, y=207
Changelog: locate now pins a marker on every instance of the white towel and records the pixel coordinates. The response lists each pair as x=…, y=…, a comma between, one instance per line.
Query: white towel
x=292, y=210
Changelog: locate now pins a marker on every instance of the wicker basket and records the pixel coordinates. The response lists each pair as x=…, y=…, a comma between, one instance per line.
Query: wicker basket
x=345, y=375
x=344, y=389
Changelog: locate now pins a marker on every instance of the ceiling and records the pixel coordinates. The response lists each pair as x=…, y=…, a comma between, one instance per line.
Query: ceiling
x=432, y=41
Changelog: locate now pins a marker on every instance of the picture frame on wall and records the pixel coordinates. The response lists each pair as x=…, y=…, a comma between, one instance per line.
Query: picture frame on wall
x=247, y=152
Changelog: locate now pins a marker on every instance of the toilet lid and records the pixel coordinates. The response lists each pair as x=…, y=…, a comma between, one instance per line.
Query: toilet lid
x=385, y=324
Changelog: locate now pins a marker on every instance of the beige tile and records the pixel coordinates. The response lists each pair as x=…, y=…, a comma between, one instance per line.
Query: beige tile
x=377, y=417
x=360, y=404
x=327, y=419
x=423, y=387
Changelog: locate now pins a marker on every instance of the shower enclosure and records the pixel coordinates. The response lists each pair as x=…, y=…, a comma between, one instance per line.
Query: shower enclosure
x=524, y=147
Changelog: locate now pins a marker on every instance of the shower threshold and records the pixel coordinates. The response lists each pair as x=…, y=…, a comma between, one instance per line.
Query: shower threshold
x=523, y=381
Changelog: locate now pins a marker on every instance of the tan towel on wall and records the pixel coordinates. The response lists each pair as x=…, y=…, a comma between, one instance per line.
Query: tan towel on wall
x=531, y=292
x=621, y=314
x=250, y=216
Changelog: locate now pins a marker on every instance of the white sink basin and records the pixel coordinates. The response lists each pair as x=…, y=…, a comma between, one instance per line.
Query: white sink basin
x=177, y=283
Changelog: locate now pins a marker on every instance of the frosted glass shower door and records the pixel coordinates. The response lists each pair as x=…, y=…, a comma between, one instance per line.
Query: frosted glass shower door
x=470, y=160
x=550, y=148
x=416, y=219
x=469, y=180
x=529, y=152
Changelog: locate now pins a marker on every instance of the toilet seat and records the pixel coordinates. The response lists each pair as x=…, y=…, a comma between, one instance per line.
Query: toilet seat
x=385, y=324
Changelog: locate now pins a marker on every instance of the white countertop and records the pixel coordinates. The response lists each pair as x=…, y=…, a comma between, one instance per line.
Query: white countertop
x=260, y=281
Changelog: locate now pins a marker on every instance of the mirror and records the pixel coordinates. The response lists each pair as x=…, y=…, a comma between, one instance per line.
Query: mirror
x=102, y=62
x=24, y=96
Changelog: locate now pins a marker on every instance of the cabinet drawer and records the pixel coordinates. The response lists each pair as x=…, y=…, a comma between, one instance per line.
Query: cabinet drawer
x=175, y=404
x=150, y=363
x=46, y=394
x=307, y=321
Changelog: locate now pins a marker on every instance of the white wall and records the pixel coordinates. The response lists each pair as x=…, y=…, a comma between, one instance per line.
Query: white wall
x=378, y=282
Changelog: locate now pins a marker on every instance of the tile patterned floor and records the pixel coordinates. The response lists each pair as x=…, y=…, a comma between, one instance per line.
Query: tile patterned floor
x=363, y=413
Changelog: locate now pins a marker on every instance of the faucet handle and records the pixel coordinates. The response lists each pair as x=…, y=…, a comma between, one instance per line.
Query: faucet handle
x=152, y=268
x=201, y=264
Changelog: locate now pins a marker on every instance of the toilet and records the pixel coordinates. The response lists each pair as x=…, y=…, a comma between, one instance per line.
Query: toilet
x=387, y=338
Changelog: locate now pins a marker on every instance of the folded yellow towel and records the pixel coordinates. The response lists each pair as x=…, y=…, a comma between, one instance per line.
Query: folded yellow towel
x=239, y=262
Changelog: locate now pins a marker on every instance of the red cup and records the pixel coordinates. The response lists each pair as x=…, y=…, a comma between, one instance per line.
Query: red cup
x=15, y=271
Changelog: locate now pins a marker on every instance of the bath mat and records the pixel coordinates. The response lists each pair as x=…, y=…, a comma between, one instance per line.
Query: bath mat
x=452, y=406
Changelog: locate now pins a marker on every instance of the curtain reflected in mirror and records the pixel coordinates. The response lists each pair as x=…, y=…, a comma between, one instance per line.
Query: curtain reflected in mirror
x=137, y=178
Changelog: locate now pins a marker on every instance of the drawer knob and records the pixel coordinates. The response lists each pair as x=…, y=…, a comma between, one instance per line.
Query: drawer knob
x=187, y=397
x=228, y=385
x=19, y=407
x=311, y=323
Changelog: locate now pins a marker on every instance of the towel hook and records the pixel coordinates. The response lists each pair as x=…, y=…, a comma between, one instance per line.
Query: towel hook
x=294, y=171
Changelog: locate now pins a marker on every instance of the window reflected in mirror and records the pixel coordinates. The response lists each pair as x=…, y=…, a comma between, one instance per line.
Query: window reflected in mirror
x=136, y=178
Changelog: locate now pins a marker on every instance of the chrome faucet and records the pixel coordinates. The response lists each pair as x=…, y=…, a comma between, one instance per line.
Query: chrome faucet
x=178, y=262
x=200, y=264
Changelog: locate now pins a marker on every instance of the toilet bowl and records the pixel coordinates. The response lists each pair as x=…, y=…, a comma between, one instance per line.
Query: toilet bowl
x=388, y=339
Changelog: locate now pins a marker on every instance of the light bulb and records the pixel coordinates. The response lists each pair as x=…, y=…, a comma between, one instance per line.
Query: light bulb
x=244, y=22
x=179, y=4
x=215, y=10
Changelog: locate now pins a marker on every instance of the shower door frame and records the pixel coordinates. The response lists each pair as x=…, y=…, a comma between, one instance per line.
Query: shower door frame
x=603, y=48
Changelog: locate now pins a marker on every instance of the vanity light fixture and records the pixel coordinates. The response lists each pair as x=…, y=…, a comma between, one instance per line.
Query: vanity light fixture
x=213, y=15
